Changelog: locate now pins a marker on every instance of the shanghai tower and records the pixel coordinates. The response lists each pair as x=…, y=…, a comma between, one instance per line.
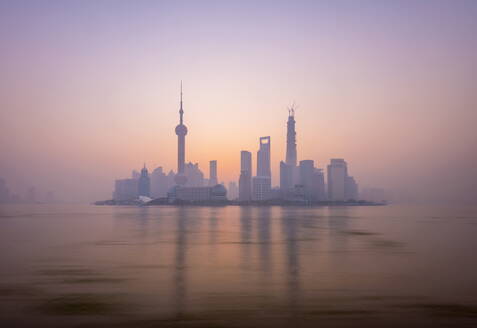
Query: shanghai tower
x=291, y=139
x=288, y=167
x=181, y=131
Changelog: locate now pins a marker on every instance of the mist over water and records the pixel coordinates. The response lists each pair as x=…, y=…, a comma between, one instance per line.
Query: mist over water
x=70, y=265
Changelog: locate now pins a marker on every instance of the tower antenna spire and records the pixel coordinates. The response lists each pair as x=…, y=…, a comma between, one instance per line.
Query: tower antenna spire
x=291, y=109
x=181, y=111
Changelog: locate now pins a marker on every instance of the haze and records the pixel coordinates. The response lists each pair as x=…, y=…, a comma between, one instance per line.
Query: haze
x=89, y=90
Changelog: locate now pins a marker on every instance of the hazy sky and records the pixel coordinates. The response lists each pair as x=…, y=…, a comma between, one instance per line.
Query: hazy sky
x=89, y=90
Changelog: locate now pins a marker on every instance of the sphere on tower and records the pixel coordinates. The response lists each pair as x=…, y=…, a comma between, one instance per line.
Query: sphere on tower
x=181, y=130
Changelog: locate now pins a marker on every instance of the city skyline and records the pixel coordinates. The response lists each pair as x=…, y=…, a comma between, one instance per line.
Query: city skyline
x=303, y=183
x=377, y=85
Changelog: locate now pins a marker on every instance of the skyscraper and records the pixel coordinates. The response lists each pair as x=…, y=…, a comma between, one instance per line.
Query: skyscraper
x=318, y=185
x=144, y=183
x=288, y=169
x=181, y=131
x=291, y=138
x=125, y=189
x=263, y=158
x=337, y=173
x=262, y=183
x=160, y=183
x=195, y=177
x=307, y=169
x=286, y=177
x=213, y=173
x=232, y=191
x=245, y=180
x=351, y=189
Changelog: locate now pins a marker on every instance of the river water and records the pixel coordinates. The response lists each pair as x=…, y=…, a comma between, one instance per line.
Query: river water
x=374, y=266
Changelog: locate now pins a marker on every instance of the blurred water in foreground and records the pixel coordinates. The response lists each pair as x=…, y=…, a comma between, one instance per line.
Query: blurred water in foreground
x=87, y=266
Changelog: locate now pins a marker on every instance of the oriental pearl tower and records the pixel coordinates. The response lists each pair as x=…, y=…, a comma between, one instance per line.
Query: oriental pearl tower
x=181, y=131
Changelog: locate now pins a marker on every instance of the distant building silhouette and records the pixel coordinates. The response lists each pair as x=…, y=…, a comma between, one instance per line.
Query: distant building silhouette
x=351, y=189
x=135, y=174
x=318, y=185
x=198, y=194
x=232, y=192
x=307, y=170
x=337, y=173
x=286, y=177
x=31, y=195
x=263, y=158
x=195, y=177
x=144, y=183
x=289, y=173
x=181, y=131
x=161, y=183
x=245, y=180
x=291, y=157
x=262, y=183
x=50, y=197
x=125, y=189
x=213, y=173
x=341, y=187
x=4, y=191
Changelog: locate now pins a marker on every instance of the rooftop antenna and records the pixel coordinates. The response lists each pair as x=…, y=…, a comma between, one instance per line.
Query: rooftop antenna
x=181, y=111
x=292, y=108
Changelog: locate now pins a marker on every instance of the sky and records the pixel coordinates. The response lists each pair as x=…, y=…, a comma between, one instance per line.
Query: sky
x=89, y=90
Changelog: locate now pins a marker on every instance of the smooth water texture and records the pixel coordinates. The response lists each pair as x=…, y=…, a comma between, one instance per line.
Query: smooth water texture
x=88, y=266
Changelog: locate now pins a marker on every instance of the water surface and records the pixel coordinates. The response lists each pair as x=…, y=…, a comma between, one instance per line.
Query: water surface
x=88, y=266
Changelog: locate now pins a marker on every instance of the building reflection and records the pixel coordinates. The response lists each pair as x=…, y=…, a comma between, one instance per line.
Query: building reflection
x=264, y=237
x=246, y=213
x=180, y=282
x=290, y=230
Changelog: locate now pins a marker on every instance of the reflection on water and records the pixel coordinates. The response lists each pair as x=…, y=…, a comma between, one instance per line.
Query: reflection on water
x=237, y=266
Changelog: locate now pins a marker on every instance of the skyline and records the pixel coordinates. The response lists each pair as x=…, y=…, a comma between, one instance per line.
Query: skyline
x=387, y=87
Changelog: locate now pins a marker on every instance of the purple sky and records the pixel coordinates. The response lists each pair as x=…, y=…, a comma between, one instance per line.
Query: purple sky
x=89, y=89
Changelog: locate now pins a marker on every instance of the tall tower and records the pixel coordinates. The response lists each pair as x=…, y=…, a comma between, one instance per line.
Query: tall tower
x=181, y=131
x=289, y=173
x=213, y=173
x=337, y=173
x=263, y=158
x=245, y=180
x=262, y=183
x=291, y=138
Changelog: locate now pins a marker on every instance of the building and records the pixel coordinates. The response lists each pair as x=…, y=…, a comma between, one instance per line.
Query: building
x=245, y=180
x=233, y=191
x=4, y=192
x=181, y=131
x=135, y=174
x=289, y=173
x=263, y=158
x=125, y=189
x=213, y=173
x=195, y=177
x=318, y=185
x=337, y=177
x=374, y=194
x=291, y=157
x=31, y=195
x=286, y=177
x=351, y=189
x=161, y=183
x=144, y=183
x=261, y=187
x=262, y=183
x=307, y=170
x=217, y=193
